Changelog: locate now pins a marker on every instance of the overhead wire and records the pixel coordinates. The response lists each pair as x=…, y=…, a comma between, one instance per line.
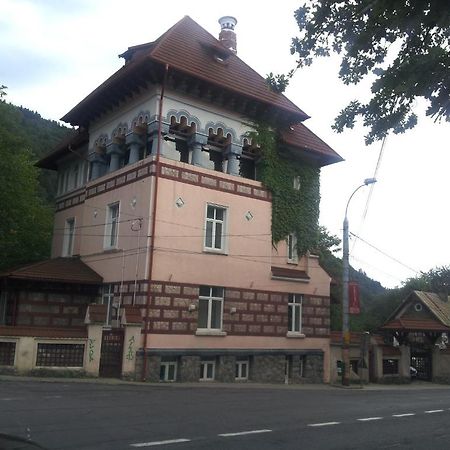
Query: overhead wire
x=372, y=187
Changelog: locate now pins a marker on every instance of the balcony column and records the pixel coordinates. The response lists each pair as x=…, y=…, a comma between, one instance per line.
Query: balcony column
x=116, y=152
x=152, y=131
x=232, y=153
x=98, y=163
x=199, y=157
x=135, y=142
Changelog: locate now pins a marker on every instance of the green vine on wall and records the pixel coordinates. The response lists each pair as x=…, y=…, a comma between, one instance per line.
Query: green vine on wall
x=293, y=211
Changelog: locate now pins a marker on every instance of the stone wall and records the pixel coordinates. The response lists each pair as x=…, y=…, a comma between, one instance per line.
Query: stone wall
x=225, y=370
x=268, y=369
x=189, y=369
x=312, y=369
x=173, y=309
x=42, y=307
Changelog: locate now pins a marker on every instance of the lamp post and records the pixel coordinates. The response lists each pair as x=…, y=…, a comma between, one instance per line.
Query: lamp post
x=345, y=265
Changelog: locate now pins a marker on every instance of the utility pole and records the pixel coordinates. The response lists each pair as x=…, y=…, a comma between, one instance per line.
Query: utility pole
x=345, y=313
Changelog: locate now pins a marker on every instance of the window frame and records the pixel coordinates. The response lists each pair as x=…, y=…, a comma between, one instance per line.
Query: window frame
x=111, y=225
x=69, y=237
x=211, y=298
x=239, y=364
x=224, y=222
x=204, y=370
x=291, y=249
x=108, y=300
x=167, y=365
x=295, y=307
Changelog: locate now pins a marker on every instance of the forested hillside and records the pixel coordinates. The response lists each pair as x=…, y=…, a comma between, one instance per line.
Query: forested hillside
x=27, y=194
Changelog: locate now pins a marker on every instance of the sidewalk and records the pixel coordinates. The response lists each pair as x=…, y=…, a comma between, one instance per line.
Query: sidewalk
x=414, y=386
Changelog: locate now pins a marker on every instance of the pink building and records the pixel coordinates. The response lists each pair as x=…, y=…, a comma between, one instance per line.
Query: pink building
x=158, y=197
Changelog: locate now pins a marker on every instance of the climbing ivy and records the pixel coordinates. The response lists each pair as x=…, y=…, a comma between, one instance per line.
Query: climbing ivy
x=293, y=211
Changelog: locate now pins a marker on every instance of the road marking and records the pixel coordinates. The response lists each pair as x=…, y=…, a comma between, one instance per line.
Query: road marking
x=151, y=444
x=431, y=411
x=53, y=396
x=242, y=433
x=9, y=399
x=323, y=424
x=404, y=415
x=368, y=419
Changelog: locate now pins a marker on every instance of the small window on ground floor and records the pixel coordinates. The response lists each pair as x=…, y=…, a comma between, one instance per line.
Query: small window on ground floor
x=390, y=366
x=168, y=370
x=207, y=370
x=7, y=353
x=242, y=368
x=60, y=355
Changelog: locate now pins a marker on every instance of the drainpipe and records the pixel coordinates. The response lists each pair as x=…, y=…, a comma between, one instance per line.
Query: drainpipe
x=152, y=232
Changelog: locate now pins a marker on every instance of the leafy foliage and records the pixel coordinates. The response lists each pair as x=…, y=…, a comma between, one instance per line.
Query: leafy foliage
x=25, y=228
x=364, y=32
x=27, y=192
x=279, y=83
x=293, y=211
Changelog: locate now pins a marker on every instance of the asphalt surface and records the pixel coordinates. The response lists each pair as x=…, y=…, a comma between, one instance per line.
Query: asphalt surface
x=70, y=415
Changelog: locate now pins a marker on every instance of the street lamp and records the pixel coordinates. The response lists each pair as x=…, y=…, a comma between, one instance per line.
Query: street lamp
x=345, y=265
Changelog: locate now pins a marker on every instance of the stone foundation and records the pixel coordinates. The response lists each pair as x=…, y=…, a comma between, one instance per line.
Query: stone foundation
x=262, y=368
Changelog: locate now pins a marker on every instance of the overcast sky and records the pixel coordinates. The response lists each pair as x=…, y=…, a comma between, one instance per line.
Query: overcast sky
x=53, y=53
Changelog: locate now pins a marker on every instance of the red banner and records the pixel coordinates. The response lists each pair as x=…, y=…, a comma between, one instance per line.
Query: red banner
x=353, y=298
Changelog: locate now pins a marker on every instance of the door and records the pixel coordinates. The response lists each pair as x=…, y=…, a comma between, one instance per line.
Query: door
x=422, y=363
x=111, y=354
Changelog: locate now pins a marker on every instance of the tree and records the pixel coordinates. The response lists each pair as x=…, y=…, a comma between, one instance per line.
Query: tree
x=25, y=225
x=405, y=45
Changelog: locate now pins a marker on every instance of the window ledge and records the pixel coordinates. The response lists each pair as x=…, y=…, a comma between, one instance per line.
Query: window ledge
x=295, y=334
x=112, y=250
x=206, y=332
x=211, y=251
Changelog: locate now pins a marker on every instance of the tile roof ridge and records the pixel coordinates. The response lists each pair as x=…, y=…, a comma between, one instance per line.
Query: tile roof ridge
x=168, y=32
x=231, y=55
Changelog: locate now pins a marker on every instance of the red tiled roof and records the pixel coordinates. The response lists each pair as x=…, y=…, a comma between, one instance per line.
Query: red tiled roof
x=63, y=270
x=415, y=325
x=44, y=332
x=302, y=137
x=289, y=273
x=189, y=48
x=73, y=140
x=132, y=314
x=96, y=313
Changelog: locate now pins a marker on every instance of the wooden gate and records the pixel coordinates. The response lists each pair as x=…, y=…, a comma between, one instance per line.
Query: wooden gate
x=111, y=354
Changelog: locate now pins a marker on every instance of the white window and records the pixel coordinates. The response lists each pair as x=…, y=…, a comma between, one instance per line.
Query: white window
x=295, y=313
x=297, y=183
x=292, y=255
x=112, y=226
x=241, y=371
x=210, y=308
x=168, y=370
x=207, y=370
x=69, y=237
x=108, y=299
x=75, y=176
x=215, y=228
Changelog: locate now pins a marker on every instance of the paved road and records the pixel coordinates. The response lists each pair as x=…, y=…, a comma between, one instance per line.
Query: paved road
x=98, y=416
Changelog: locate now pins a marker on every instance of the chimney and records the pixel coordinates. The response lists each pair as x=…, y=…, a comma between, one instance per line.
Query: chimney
x=227, y=36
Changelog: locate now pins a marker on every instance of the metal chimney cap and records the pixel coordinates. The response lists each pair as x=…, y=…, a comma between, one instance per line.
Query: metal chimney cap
x=228, y=22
